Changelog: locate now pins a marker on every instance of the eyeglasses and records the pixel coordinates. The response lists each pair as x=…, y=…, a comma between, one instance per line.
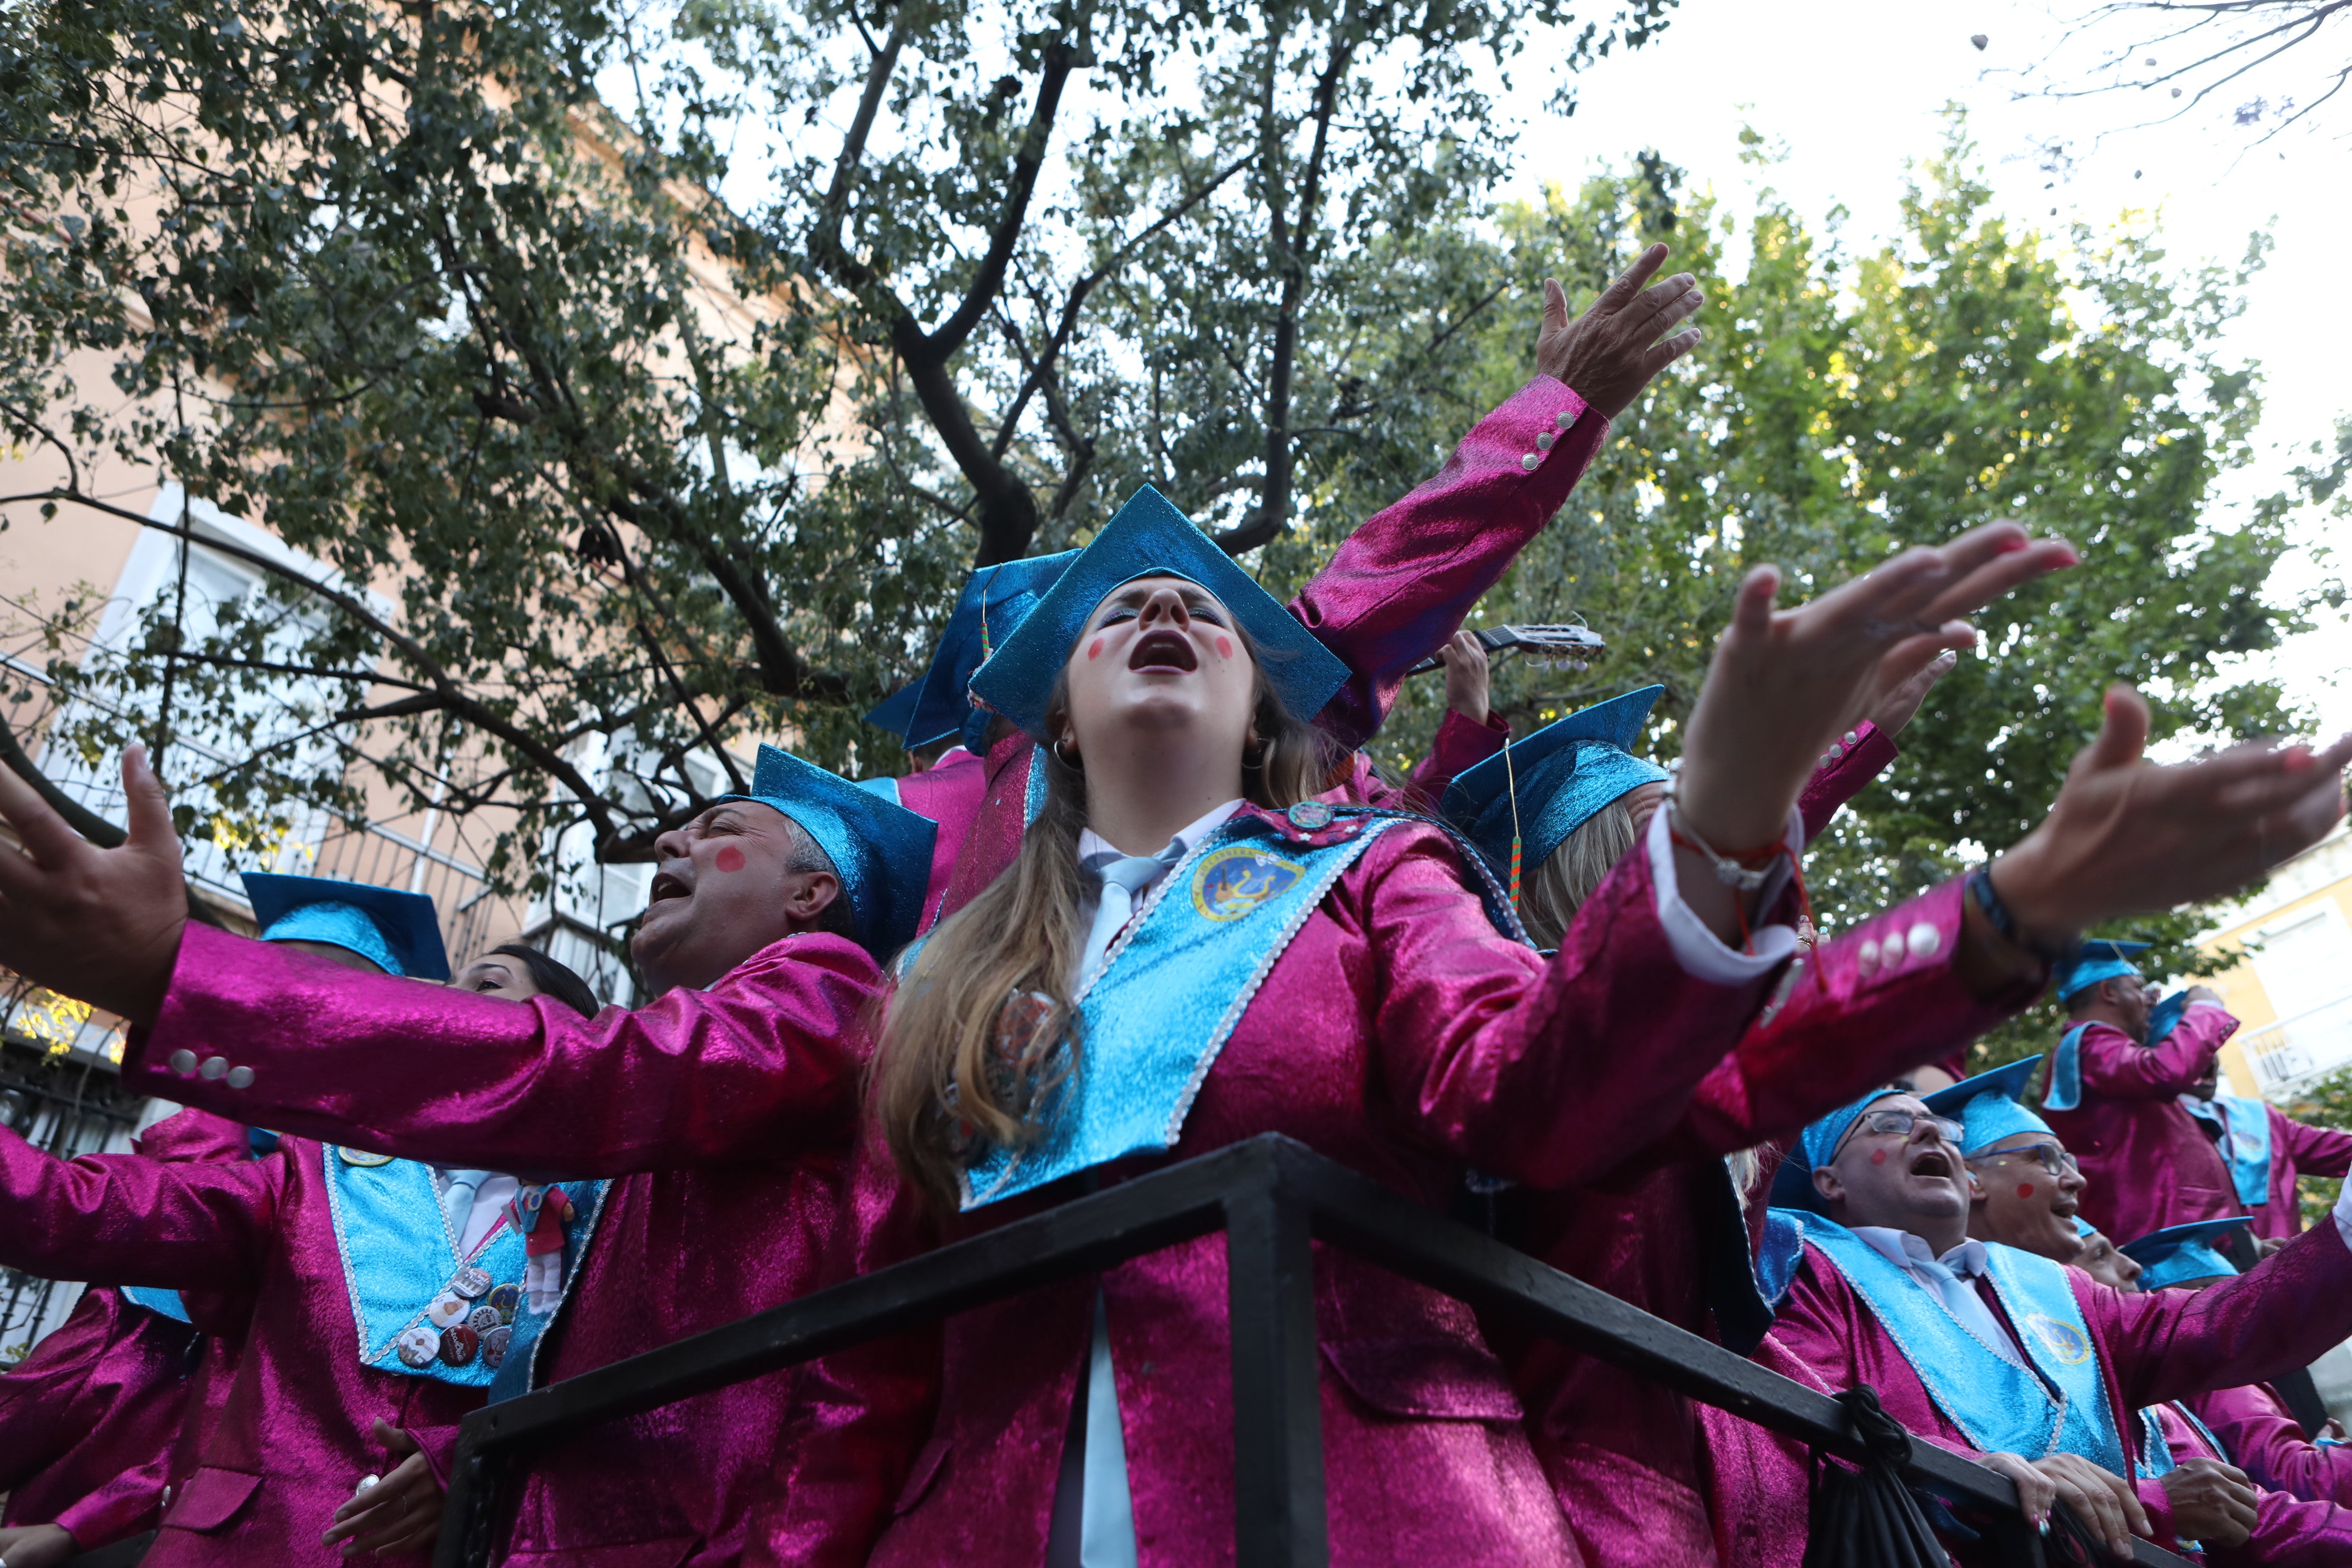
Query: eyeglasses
x=2052, y=1157
x=1888, y=1122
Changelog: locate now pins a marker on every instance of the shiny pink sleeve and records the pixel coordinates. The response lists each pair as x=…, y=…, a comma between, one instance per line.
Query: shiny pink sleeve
x=2316, y=1150
x=1867, y=1008
x=2115, y=1065
x=1459, y=744
x=1521, y=1066
x=119, y=1507
x=2175, y=1344
x=769, y=1053
x=1836, y=781
x=194, y=1135
x=122, y=1219
x=2268, y=1444
x=859, y=1419
x=1403, y=582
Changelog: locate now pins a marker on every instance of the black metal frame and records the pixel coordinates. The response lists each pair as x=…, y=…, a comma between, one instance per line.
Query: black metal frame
x=1273, y=1198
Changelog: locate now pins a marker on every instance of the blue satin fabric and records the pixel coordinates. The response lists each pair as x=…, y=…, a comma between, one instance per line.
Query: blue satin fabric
x=2247, y=1147
x=2001, y=1406
x=159, y=1300
x=2065, y=1090
x=398, y=1255
x=1169, y=994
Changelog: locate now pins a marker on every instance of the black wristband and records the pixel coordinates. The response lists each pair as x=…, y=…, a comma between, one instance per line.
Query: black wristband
x=1980, y=886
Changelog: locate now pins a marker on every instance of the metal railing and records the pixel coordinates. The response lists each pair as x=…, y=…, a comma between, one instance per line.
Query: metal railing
x=1273, y=1198
x=2290, y=1052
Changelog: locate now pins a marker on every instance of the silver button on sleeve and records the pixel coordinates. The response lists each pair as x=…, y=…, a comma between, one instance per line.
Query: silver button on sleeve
x=240, y=1077
x=215, y=1066
x=183, y=1062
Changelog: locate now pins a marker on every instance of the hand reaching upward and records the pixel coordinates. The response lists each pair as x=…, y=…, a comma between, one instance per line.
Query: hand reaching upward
x=1607, y=355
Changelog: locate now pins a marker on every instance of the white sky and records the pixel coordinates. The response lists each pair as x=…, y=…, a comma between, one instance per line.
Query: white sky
x=1856, y=87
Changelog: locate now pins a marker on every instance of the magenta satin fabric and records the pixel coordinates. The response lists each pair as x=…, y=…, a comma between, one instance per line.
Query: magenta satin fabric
x=2268, y=1444
x=2166, y=1345
x=87, y=1419
x=293, y=1435
x=2150, y=1163
x=1624, y=1454
x=2289, y=1532
x=949, y=793
x=2298, y=1150
x=1397, y=1034
x=726, y=1113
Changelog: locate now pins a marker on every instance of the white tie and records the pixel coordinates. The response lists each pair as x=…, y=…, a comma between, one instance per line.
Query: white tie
x=1968, y=1306
x=1125, y=880
x=458, y=1202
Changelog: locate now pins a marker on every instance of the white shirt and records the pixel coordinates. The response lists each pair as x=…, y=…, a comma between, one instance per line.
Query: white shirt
x=1951, y=1279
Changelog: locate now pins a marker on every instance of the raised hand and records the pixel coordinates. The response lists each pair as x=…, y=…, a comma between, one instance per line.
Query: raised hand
x=2126, y=836
x=1783, y=682
x=1891, y=698
x=1607, y=355
x=102, y=925
x=1466, y=676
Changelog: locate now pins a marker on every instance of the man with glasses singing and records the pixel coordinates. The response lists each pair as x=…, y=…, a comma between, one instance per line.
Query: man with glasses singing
x=1999, y=1353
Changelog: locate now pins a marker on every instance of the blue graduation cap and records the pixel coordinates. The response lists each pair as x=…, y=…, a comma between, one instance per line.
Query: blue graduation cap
x=1792, y=1183
x=1149, y=538
x=1990, y=1105
x=1563, y=773
x=2099, y=959
x=395, y=930
x=2084, y=1227
x=2165, y=1016
x=2180, y=1252
x=993, y=603
x=882, y=850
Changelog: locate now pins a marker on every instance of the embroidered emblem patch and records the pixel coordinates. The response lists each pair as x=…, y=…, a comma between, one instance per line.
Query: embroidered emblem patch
x=1237, y=878
x=1310, y=815
x=2063, y=1340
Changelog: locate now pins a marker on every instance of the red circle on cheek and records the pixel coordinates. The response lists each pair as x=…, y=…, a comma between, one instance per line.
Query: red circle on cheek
x=2025, y=1189
x=729, y=859
x=1878, y=1156
x=1225, y=648
x=1093, y=649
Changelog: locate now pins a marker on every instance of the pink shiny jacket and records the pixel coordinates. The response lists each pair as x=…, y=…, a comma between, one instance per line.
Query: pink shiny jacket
x=2166, y=1345
x=1397, y=1034
x=294, y=1435
x=87, y=1419
x=1394, y=591
x=2289, y=1532
x=2149, y=1164
x=2266, y=1442
x=2298, y=1150
x=728, y=1114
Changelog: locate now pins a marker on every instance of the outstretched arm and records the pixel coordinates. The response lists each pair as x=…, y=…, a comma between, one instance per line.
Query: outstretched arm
x=120, y=1219
x=1400, y=586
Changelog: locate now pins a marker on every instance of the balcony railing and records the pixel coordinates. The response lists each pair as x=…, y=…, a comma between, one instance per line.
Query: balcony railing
x=1273, y=1198
x=2292, y=1052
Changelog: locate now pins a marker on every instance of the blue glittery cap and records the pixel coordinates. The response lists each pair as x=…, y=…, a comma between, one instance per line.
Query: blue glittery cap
x=881, y=850
x=2181, y=1252
x=1818, y=1144
x=1990, y=1105
x=995, y=600
x=397, y=932
x=1149, y=538
x=2095, y=961
x=1566, y=772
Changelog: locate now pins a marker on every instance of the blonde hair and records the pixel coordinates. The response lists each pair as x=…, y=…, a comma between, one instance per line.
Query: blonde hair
x=1550, y=899
x=982, y=1028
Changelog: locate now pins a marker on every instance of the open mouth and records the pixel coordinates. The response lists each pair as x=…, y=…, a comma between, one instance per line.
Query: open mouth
x=1932, y=1163
x=668, y=886
x=1163, y=650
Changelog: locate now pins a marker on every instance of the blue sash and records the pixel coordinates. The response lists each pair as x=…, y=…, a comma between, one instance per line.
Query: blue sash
x=398, y=1256
x=1168, y=993
x=2065, y=1090
x=519, y=1374
x=2245, y=1140
x=1999, y=1405
x=1034, y=801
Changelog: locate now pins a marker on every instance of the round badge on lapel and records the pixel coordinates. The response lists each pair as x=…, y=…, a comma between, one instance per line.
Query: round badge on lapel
x=448, y=1308
x=483, y=1320
x=494, y=1347
x=363, y=1158
x=458, y=1344
x=1310, y=815
x=471, y=1282
x=506, y=1299
x=417, y=1346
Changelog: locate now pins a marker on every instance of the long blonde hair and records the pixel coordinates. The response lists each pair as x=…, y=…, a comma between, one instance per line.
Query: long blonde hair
x=982, y=1028
x=1567, y=876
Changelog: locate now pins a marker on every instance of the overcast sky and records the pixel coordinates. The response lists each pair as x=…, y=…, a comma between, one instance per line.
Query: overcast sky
x=1856, y=87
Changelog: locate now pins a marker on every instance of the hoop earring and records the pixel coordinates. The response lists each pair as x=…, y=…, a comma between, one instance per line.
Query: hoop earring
x=1073, y=763
x=1251, y=765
